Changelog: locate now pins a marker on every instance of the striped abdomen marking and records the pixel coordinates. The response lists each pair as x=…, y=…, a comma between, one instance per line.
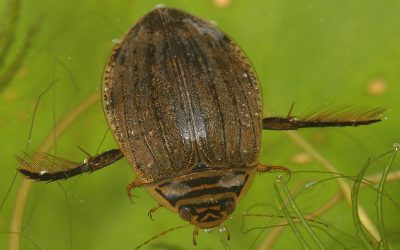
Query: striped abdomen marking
x=204, y=198
x=186, y=191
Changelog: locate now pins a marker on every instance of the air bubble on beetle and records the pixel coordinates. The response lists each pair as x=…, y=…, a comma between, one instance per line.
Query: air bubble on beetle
x=43, y=172
x=115, y=40
x=160, y=5
x=213, y=22
x=245, y=75
x=85, y=161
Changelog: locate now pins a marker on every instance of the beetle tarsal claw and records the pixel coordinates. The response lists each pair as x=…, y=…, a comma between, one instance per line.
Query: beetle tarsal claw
x=195, y=233
x=152, y=210
x=133, y=185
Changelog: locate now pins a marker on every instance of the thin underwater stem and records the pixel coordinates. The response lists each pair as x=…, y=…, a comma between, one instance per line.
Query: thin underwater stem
x=24, y=188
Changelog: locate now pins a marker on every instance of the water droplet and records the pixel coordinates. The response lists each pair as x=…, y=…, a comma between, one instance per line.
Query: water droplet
x=222, y=229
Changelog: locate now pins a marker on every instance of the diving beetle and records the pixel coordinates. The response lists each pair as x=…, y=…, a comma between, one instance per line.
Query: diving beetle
x=184, y=104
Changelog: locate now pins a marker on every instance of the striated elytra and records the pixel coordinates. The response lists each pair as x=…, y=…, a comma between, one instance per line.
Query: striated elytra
x=184, y=104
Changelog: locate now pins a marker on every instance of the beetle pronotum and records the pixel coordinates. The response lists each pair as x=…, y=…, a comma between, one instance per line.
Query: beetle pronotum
x=184, y=104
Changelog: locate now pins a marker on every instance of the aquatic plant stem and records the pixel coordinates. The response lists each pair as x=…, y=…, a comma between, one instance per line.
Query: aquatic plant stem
x=344, y=187
x=24, y=188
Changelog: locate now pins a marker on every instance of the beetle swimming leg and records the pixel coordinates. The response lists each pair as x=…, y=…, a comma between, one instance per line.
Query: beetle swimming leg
x=41, y=166
x=337, y=116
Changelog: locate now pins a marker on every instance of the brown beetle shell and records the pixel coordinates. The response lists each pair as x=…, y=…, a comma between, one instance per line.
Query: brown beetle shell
x=177, y=92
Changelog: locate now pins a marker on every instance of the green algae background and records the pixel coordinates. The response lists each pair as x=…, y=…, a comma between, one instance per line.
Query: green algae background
x=309, y=52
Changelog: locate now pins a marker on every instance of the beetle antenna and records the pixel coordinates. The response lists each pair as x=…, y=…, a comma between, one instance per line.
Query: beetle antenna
x=162, y=234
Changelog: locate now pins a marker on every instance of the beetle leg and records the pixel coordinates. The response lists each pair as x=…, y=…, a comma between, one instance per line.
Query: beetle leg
x=195, y=233
x=136, y=183
x=337, y=116
x=44, y=167
x=271, y=168
x=225, y=229
x=152, y=210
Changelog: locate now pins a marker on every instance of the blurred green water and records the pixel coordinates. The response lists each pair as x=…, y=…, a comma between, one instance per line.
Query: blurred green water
x=304, y=51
